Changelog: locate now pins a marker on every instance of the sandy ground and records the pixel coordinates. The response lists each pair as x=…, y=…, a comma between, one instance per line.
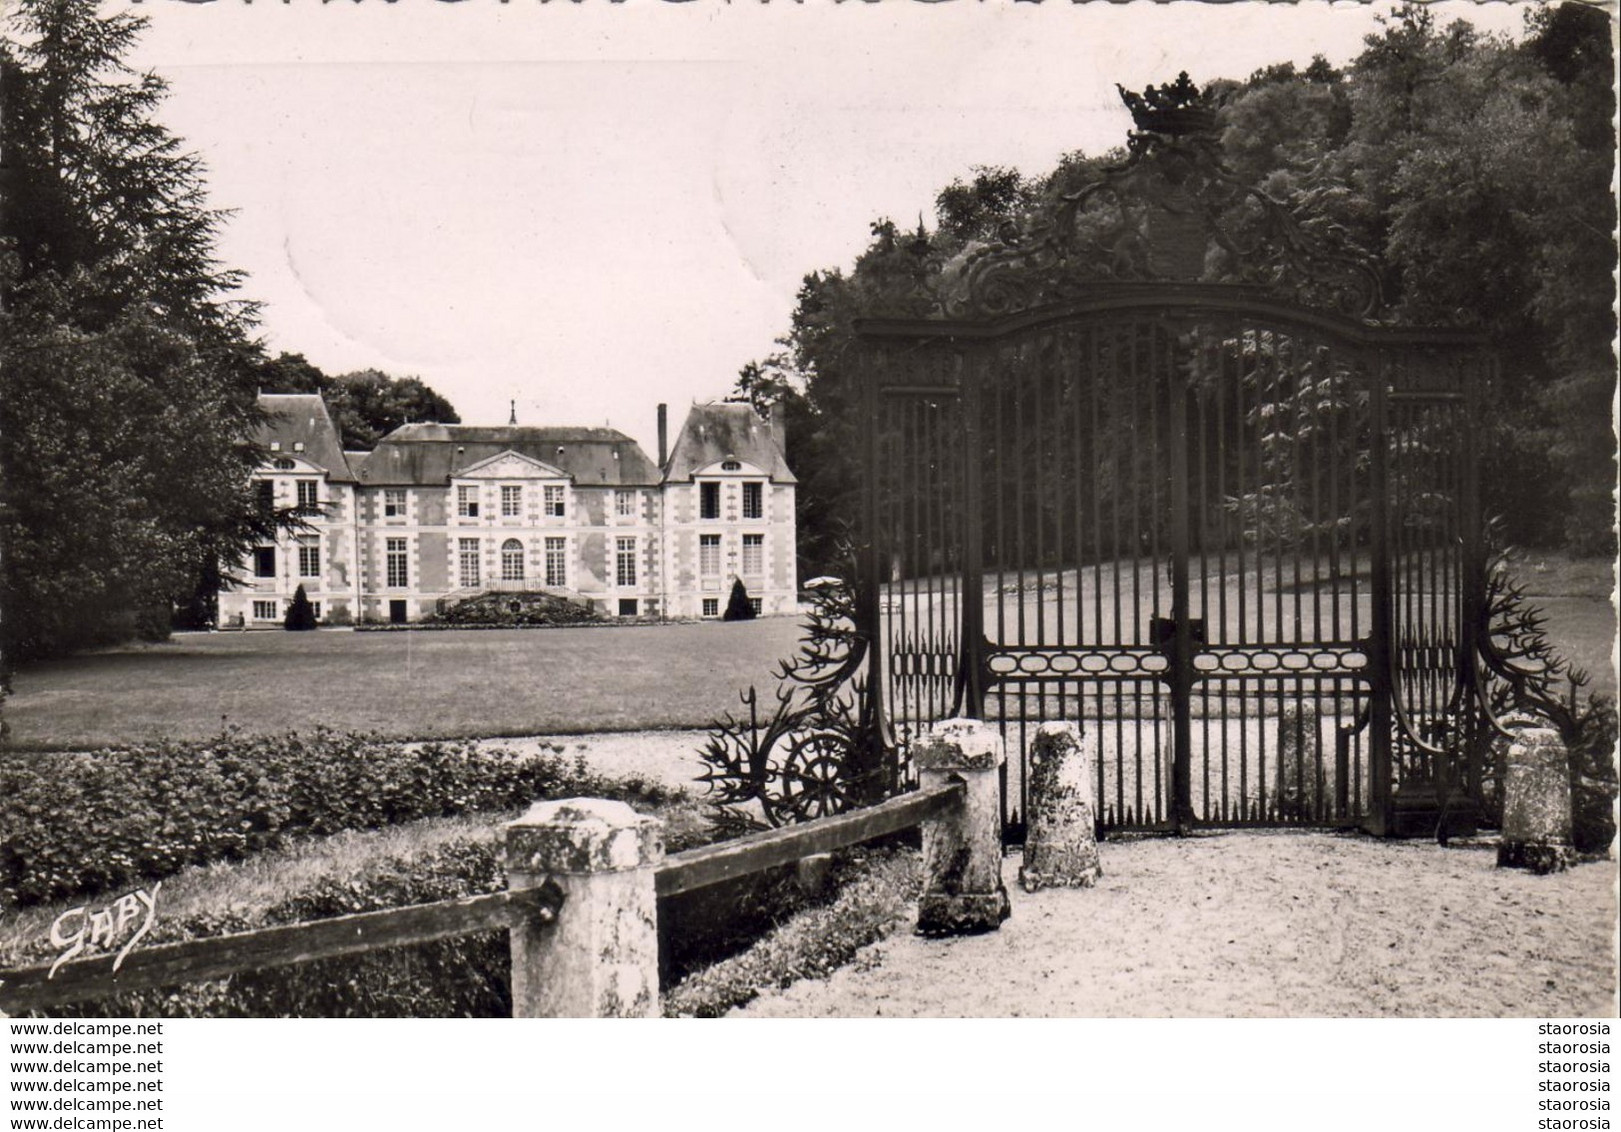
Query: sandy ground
x=1250, y=924
x=1257, y=924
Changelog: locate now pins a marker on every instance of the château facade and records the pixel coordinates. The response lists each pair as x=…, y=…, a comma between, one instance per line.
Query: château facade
x=439, y=513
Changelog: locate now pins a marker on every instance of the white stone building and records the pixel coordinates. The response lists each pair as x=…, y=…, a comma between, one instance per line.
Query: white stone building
x=437, y=513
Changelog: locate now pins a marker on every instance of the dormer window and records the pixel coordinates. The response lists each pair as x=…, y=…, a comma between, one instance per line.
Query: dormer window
x=285, y=465
x=731, y=466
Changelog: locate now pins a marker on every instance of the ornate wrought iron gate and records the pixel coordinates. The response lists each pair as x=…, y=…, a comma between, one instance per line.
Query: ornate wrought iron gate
x=1231, y=533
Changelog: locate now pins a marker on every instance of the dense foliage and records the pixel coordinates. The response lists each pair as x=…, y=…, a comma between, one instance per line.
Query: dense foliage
x=461, y=977
x=1475, y=170
x=92, y=822
x=126, y=370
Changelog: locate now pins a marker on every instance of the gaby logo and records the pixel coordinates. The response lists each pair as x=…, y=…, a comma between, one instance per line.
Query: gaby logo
x=84, y=926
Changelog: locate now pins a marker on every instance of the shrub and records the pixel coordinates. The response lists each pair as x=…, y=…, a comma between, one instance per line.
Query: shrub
x=517, y=609
x=300, y=613
x=737, y=606
x=89, y=822
x=875, y=889
x=462, y=977
x=1592, y=776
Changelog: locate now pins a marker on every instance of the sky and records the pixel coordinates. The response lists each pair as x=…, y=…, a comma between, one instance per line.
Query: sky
x=590, y=208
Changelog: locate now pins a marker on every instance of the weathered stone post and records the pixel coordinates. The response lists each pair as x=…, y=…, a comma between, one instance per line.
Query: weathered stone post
x=600, y=957
x=962, y=853
x=1536, y=804
x=1061, y=844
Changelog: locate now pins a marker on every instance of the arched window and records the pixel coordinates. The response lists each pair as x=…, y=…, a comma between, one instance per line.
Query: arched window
x=512, y=561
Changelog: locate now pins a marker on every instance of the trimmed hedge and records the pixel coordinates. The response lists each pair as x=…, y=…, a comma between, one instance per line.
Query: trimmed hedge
x=86, y=823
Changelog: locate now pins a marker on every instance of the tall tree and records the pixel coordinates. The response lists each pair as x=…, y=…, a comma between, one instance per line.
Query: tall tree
x=126, y=370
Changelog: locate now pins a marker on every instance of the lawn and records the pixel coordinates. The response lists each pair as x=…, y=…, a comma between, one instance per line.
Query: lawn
x=441, y=685
x=458, y=684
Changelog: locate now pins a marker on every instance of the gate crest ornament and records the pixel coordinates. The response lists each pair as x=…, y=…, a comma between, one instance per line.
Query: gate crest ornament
x=1171, y=212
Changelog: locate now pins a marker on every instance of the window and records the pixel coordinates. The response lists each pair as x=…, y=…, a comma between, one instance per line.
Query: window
x=309, y=560
x=307, y=500
x=398, y=575
x=468, y=559
x=512, y=561
x=711, y=607
x=625, y=562
x=554, y=500
x=753, y=501
x=753, y=554
x=627, y=607
x=511, y=500
x=265, y=494
x=467, y=502
x=709, y=501
x=393, y=503
x=731, y=466
x=264, y=611
x=754, y=605
x=709, y=555
x=284, y=464
x=315, y=608
x=264, y=562
x=556, y=562
x=624, y=503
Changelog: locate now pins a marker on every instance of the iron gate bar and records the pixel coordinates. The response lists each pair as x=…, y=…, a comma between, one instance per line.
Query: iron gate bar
x=1057, y=529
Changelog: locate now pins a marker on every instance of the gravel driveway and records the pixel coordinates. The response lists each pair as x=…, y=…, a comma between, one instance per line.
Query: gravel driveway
x=1257, y=924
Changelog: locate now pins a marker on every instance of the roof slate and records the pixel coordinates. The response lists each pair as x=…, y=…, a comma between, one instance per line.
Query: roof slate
x=726, y=429
x=301, y=418
x=431, y=454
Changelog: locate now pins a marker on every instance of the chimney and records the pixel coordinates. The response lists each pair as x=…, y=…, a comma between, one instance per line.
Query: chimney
x=664, y=433
x=776, y=421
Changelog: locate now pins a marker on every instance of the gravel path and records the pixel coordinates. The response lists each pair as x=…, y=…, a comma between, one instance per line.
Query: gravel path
x=1258, y=924
x=668, y=757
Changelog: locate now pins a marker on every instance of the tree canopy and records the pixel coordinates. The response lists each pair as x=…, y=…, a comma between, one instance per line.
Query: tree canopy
x=1475, y=170
x=126, y=366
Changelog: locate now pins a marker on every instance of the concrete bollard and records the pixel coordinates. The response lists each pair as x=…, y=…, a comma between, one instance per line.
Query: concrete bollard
x=962, y=853
x=1061, y=844
x=600, y=957
x=1536, y=804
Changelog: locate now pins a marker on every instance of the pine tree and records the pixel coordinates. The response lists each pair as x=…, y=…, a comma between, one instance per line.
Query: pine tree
x=738, y=607
x=126, y=381
x=300, y=613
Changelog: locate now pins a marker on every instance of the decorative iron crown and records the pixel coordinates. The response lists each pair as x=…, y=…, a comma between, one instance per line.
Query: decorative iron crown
x=1176, y=109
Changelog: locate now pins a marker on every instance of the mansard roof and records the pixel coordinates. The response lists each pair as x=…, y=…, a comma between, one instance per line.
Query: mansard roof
x=432, y=454
x=727, y=430
x=293, y=419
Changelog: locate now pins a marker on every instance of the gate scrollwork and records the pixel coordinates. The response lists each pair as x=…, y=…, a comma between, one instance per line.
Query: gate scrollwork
x=820, y=751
